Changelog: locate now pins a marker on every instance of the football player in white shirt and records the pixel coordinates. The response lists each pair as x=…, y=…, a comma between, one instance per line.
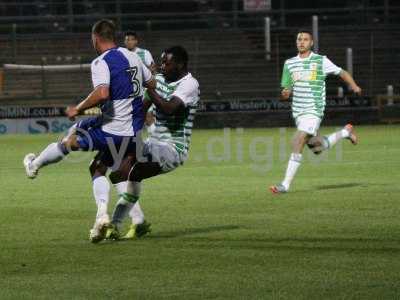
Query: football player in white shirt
x=98, y=167
x=175, y=99
x=118, y=78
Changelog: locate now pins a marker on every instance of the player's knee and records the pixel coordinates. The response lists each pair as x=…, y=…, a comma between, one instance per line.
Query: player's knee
x=71, y=131
x=135, y=175
x=71, y=143
x=141, y=171
x=92, y=167
x=96, y=168
x=299, y=139
x=316, y=145
x=117, y=177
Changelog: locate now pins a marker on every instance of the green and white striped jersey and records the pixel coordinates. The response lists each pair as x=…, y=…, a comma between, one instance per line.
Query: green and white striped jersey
x=306, y=78
x=145, y=56
x=177, y=129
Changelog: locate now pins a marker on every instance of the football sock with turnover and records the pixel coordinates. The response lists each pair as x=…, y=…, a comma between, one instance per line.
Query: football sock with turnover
x=125, y=203
x=136, y=212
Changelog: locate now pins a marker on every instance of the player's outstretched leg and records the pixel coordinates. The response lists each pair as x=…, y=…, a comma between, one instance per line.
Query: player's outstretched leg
x=346, y=133
x=318, y=144
x=53, y=153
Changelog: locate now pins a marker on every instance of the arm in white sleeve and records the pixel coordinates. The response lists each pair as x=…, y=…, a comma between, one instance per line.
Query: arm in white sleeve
x=146, y=73
x=100, y=73
x=188, y=91
x=329, y=67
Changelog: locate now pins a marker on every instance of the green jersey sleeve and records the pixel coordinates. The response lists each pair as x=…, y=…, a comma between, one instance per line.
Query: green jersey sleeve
x=146, y=96
x=286, y=81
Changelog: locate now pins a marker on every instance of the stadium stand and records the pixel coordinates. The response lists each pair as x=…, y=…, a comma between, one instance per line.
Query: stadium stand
x=228, y=57
x=234, y=68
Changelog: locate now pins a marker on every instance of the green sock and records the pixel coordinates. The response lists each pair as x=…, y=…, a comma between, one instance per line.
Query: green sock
x=122, y=208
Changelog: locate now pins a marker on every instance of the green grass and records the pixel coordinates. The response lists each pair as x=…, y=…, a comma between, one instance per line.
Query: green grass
x=217, y=232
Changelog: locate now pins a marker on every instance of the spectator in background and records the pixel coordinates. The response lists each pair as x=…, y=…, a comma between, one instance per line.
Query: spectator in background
x=131, y=42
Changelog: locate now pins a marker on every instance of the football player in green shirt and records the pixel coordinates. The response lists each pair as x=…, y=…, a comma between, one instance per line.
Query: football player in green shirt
x=304, y=78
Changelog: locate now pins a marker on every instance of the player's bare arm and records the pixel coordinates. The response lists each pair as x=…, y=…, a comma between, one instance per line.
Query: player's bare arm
x=146, y=105
x=151, y=84
x=153, y=68
x=346, y=77
x=97, y=96
x=168, y=107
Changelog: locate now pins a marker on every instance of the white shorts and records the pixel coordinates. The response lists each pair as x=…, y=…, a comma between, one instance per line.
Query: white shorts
x=309, y=124
x=163, y=153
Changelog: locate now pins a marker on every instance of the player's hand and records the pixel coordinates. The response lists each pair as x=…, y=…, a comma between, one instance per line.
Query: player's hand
x=356, y=89
x=71, y=112
x=152, y=94
x=285, y=94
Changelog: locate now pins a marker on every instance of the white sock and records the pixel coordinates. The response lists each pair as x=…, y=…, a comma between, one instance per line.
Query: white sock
x=126, y=202
x=136, y=212
x=336, y=136
x=52, y=154
x=151, y=128
x=134, y=188
x=101, y=192
x=121, y=187
x=293, y=165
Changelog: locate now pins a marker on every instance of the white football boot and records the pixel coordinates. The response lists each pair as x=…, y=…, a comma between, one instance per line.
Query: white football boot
x=99, y=230
x=30, y=169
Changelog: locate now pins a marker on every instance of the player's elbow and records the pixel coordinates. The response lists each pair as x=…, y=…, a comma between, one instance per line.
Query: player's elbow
x=103, y=92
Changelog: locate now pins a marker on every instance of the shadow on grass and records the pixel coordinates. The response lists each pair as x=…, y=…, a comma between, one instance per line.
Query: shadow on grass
x=338, y=186
x=191, y=231
x=334, y=187
x=174, y=234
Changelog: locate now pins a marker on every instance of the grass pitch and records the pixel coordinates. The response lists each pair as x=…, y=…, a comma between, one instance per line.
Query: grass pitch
x=217, y=231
